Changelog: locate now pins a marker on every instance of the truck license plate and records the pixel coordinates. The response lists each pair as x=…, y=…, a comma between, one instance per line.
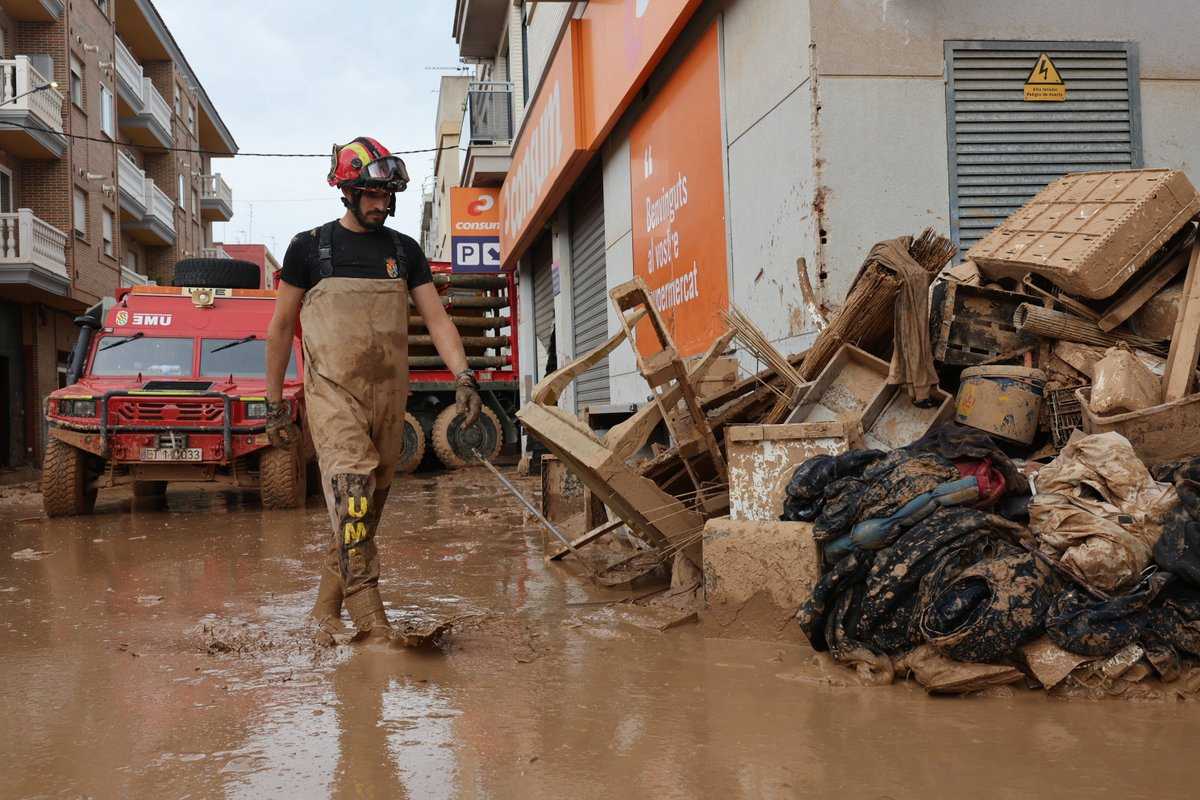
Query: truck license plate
x=172, y=454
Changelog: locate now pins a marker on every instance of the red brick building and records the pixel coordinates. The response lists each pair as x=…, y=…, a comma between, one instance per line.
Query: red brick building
x=100, y=184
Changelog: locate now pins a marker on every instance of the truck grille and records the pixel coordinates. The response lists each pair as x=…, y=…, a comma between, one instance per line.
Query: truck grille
x=198, y=411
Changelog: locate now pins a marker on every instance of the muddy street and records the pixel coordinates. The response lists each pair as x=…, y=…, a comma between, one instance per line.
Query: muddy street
x=162, y=650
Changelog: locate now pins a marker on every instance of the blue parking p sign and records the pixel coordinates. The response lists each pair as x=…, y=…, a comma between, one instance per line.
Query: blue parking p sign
x=475, y=253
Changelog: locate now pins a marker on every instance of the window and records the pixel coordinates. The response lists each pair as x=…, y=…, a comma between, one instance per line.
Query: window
x=177, y=93
x=195, y=201
x=6, y=191
x=132, y=355
x=191, y=119
x=81, y=203
x=131, y=260
x=108, y=122
x=77, y=83
x=107, y=220
x=103, y=4
x=237, y=357
x=182, y=193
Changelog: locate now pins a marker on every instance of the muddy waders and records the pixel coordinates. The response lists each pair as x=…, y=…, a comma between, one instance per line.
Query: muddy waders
x=355, y=334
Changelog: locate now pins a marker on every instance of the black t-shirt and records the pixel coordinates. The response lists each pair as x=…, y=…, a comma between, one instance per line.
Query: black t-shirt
x=355, y=255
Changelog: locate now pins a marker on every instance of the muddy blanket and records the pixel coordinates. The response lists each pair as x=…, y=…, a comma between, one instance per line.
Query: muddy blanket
x=868, y=607
x=1161, y=613
x=1178, y=549
x=990, y=609
x=1099, y=510
x=861, y=485
x=958, y=442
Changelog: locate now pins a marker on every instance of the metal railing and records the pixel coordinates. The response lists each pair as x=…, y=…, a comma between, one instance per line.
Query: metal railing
x=214, y=252
x=159, y=205
x=214, y=187
x=130, y=72
x=156, y=106
x=18, y=80
x=25, y=239
x=489, y=112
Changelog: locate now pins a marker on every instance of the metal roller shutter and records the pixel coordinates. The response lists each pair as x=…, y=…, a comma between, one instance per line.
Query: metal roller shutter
x=1003, y=149
x=543, y=297
x=589, y=294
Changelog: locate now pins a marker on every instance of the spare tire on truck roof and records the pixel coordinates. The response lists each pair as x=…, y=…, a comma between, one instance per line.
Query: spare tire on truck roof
x=217, y=273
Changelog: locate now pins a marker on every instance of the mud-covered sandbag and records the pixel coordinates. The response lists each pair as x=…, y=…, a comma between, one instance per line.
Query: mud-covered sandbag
x=1099, y=510
x=806, y=491
x=1121, y=383
x=1083, y=625
x=990, y=609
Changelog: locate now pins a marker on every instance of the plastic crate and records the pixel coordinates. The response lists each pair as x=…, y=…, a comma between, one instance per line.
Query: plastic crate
x=1090, y=232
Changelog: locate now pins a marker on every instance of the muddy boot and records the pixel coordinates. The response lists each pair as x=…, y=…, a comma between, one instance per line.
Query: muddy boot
x=366, y=610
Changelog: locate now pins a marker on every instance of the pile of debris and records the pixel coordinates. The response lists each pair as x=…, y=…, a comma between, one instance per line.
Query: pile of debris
x=976, y=475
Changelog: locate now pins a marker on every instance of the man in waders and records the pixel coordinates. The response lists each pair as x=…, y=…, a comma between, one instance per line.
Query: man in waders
x=349, y=283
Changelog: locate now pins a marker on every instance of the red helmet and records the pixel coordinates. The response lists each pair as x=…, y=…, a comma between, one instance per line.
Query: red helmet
x=366, y=164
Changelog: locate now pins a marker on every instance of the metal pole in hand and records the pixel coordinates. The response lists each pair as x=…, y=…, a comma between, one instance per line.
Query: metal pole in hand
x=549, y=525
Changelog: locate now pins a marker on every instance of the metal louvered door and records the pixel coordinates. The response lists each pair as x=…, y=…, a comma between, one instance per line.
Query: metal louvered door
x=541, y=255
x=1004, y=149
x=589, y=291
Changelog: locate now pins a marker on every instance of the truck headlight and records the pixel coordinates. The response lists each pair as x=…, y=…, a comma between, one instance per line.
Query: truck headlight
x=77, y=408
x=254, y=409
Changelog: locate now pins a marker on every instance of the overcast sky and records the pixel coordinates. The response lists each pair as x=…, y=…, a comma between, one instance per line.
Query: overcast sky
x=298, y=75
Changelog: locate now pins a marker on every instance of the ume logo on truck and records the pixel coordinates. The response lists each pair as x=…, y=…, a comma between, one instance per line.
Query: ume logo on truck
x=144, y=320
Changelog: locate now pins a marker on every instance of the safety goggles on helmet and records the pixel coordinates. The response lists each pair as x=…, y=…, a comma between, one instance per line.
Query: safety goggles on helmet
x=386, y=169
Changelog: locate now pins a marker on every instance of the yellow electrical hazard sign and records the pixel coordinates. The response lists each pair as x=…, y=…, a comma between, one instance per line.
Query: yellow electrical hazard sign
x=1044, y=83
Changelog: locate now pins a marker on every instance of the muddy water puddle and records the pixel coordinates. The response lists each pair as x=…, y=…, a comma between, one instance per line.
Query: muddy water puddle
x=162, y=651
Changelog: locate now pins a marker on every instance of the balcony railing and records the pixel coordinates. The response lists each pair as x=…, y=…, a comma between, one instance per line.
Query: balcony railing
x=132, y=182
x=214, y=187
x=159, y=205
x=131, y=75
x=489, y=112
x=214, y=252
x=25, y=239
x=156, y=106
x=18, y=77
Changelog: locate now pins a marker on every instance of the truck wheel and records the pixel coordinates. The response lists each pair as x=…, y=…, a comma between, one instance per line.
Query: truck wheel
x=65, y=489
x=218, y=273
x=455, y=446
x=282, y=478
x=414, y=445
x=149, y=488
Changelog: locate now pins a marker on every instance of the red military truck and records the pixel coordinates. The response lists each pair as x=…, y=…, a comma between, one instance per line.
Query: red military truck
x=167, y=384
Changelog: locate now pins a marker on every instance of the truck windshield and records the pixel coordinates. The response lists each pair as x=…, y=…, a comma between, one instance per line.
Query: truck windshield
x=143, y=355
x=239, y=358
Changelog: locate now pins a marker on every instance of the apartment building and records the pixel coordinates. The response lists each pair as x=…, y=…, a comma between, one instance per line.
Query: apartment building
x=101, y=181
x=708, y=145
x=435, y=189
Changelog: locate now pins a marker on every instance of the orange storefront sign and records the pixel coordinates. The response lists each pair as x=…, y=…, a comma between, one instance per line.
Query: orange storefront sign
x=474, y=212
x=620, y=43
x=544, y=158
x=678, y=186
x=601, y=63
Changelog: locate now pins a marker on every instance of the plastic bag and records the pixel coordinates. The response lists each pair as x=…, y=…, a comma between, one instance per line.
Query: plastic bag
x=1122, y=383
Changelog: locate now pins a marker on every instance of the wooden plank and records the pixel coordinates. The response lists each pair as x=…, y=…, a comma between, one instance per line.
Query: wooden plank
x=1185, y=343
x=786, y=431
x=1136, y=297
x=586, y=539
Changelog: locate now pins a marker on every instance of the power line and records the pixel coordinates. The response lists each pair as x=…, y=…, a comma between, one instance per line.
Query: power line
x=155, y=149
